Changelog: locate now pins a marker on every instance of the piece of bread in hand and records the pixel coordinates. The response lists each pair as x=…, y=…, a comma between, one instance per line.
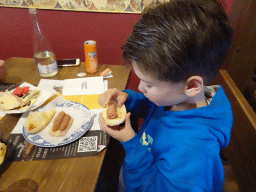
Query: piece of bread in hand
x=37, y=121
x=60, y=124
x=3, y=149
x=114, y=116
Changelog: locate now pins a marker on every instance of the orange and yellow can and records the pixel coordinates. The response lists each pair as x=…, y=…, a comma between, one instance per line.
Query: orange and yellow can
x=91, y=59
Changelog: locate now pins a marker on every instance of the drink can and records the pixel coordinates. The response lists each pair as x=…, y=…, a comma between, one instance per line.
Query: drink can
x=91, y=59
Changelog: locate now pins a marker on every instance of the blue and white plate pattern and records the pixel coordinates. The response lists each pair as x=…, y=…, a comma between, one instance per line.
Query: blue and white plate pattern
x=82, y=122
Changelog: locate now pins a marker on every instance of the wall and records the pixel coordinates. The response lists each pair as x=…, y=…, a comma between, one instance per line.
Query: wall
x=66, y=31
x=242, y=57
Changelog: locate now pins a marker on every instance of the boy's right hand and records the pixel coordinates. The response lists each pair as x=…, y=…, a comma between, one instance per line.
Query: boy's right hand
x=113, y=95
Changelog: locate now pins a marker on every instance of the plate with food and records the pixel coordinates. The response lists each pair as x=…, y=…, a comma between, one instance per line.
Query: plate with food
x=23, y=98
x=58, y=123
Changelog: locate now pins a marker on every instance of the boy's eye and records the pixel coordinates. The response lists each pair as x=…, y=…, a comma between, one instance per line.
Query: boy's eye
x=148, y=86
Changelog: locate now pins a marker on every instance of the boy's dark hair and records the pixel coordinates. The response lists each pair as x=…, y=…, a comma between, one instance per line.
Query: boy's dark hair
x=179, y=39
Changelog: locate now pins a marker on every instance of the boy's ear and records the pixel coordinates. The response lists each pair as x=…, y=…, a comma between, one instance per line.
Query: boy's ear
x=194, y=85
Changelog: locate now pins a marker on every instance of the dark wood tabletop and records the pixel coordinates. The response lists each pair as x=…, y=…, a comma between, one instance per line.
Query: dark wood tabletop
x=60, y=175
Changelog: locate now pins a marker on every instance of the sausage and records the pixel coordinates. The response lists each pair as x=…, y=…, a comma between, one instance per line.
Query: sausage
x=112, y=110
x=57, y=121
x=65, y=122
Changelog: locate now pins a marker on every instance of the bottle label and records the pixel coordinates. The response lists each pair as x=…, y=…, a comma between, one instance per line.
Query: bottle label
x=93, y=62
x=44, y=69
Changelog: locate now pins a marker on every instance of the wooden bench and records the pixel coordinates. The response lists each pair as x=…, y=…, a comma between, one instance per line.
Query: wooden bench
x=241, y=151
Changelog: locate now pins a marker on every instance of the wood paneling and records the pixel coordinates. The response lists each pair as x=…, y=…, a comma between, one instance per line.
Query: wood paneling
x=242, y=56
x=241, y=151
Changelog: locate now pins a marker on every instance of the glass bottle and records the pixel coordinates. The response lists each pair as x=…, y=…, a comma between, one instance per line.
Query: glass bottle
x=43, y=53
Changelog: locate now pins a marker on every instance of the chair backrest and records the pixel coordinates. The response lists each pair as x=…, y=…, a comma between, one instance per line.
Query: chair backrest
x=241, y=150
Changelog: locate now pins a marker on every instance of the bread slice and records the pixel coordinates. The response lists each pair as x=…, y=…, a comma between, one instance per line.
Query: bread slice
x=3, y=149
x=34, y=94
x=37, y=121
x=121, y=112
x=9, y=101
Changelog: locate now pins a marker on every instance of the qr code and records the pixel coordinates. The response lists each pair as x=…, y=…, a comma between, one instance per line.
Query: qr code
x=87, y=144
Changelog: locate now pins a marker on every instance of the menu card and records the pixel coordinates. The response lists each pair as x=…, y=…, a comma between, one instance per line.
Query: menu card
x=78, y=86
x=88, y=145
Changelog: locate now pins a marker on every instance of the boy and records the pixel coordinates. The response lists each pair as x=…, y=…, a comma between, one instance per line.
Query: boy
x=176, y=49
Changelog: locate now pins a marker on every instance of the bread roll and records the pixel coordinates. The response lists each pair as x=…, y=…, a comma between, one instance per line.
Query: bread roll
x=114, y=123
x=37, y=121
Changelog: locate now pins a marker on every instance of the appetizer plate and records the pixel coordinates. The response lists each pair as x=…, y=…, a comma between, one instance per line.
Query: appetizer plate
x=44, y=96
x=82, y=122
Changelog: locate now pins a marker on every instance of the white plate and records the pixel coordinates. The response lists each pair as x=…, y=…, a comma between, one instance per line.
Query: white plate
x=82, y=122
x=44, y=96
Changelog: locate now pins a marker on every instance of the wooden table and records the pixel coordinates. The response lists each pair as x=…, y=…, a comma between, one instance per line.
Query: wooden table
x=74, y=174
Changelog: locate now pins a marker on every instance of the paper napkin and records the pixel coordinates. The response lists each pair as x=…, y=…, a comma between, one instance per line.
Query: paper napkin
x=83, y=86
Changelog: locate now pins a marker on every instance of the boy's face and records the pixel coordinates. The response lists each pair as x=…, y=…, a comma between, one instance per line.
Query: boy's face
x=160, y=92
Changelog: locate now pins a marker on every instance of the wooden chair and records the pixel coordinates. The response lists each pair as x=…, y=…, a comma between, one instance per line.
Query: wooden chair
x=241, y=151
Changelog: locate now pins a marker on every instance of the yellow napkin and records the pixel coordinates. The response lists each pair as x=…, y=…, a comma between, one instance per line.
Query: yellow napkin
x=90, y=101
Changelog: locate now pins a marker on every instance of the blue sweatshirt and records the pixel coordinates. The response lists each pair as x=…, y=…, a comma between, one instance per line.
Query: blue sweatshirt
x=177, y=150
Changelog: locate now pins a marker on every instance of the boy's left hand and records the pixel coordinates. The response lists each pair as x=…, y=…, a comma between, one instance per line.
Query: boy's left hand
x=123, y=135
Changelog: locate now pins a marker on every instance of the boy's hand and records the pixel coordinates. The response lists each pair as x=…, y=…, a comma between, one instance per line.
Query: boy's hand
x=123, y=135
x=112, y=95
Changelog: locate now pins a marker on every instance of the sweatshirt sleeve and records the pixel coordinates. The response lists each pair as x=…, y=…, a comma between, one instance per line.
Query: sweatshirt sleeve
x=179, y=168
x=138, y=104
